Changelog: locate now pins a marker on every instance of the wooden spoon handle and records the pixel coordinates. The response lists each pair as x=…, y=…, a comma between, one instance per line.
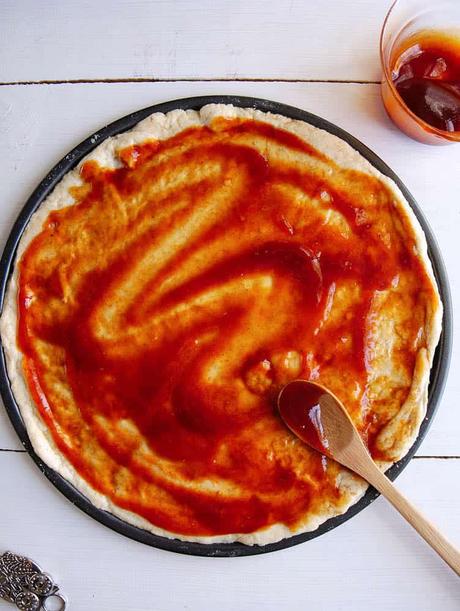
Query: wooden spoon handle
x=432, y=536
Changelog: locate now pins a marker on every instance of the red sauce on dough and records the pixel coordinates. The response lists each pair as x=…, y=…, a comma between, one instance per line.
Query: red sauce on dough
x=182, y=337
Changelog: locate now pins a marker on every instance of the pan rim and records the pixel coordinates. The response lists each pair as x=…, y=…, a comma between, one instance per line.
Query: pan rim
x=438, y=373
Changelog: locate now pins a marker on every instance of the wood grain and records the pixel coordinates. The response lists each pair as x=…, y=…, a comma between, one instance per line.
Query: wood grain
x=424, y=527
x=374, y=561
x=291, y=39
x=37, y=133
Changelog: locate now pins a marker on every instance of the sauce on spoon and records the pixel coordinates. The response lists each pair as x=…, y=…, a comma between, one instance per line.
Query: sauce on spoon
x=299, y=406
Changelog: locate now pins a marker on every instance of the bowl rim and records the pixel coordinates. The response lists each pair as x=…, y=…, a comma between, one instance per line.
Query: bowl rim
x=438, y=372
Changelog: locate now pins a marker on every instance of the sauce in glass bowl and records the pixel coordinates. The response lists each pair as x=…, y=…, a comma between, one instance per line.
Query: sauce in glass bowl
x=420, y=58
x=425, y=70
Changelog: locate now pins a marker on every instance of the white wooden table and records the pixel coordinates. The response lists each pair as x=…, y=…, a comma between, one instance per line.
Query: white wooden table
x=69, y=67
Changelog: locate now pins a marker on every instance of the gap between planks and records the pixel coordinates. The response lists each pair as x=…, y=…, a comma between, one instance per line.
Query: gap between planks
x=185, y=80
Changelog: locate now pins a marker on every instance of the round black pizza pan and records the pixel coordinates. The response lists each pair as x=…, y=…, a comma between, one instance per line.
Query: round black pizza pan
x=438, y=372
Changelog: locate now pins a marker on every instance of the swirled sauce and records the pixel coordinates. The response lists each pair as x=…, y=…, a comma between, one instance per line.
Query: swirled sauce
x=161, y=313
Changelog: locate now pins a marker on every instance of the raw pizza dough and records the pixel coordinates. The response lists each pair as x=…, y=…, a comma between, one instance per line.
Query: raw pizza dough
x=394, y=439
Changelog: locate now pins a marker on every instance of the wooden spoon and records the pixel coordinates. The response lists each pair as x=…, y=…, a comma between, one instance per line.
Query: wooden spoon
x=318, y=418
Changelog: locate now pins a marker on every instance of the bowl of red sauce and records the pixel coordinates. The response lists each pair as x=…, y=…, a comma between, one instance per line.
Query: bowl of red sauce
x=420, y=55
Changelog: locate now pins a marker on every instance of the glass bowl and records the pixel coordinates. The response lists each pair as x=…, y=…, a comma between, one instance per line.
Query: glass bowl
x=404, y=20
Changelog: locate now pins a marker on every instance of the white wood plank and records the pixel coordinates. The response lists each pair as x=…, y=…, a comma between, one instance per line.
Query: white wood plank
x=375, y=561
x=41, y=124
x=295, y=39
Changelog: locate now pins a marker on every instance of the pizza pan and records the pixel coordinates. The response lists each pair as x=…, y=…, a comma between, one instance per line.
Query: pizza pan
x=438, y=372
